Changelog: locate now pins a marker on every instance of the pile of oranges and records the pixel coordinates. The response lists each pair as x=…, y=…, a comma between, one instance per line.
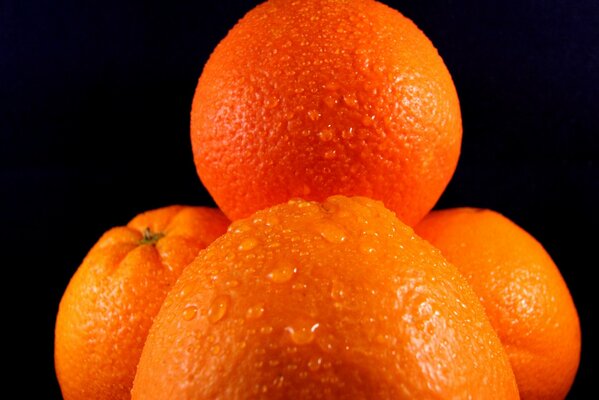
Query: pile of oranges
x=326, y=130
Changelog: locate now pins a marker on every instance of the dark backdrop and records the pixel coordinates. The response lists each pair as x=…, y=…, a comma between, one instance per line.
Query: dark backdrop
x=94, y=117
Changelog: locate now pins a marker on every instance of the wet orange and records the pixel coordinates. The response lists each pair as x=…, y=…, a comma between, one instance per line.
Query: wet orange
x=108, y=307
x=338, y=300
x=522, y=291
x=314, y=98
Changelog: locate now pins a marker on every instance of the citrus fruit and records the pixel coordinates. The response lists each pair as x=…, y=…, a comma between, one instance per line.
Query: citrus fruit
x=338, y=300
x=108, y=307
x=522, y=290
x=315, y=98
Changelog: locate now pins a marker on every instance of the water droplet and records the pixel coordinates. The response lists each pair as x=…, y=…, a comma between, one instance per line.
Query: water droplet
x=325, y=135
x=215, y=349
x=283, y=273
x=239, y=227
x=218, y=308
x=248, y=244
x=271, y=103
x=368, y=120
x=332, y=233
x=351, y=100
x=260, y=351
x=230, y=256
x=332, y=85
x=314, y=364
x=337, y=290
x=306, y=204
x=232, y=283
x=330, y=101
x=326, y=343
x=278, y=382
x=274, y=363
x=256, y=389
x=306, y=190
x=329, y=155
x=190, y=313
x=299, y=286
x=381, y=339
x=184, y=292
x=255, y=312
x=271, y=220
x=266, y=330
x=302, y=331
x=367, y=247
x=314, y=115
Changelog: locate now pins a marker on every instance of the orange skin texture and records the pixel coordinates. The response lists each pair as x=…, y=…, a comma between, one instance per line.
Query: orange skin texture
x=338, y=300
x=522, y=291
x=109, y=304
x=314, y=98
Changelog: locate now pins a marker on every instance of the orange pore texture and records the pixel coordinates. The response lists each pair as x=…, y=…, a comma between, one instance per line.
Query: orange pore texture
x=108, y=307
x=314, y=98
x=338, y=300
x=522, y=291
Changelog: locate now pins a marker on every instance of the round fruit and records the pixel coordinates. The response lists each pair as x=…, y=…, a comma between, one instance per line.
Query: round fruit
x=338, y=300
x=108, y=307
x=522, y=291
x=314, y=98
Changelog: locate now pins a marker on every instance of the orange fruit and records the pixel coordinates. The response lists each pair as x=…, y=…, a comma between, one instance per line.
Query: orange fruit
x=314, y=98
x=338, y=300
x=522, y=291
x=108, y=307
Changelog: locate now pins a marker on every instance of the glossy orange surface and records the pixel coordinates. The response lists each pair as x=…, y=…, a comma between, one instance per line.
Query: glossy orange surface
x=522, y=291
x=108, y=307
x=338, y=300
x=314, y=98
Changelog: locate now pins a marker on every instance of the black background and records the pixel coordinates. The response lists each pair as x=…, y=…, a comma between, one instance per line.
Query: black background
x=94, y=123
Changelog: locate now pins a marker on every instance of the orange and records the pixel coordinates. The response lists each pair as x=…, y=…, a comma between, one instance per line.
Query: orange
x=314, y=98
x=108, y=307
x=522, y=291
x=338, y=300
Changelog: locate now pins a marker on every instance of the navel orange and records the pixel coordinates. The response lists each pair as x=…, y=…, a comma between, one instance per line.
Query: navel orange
x=108, y=307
